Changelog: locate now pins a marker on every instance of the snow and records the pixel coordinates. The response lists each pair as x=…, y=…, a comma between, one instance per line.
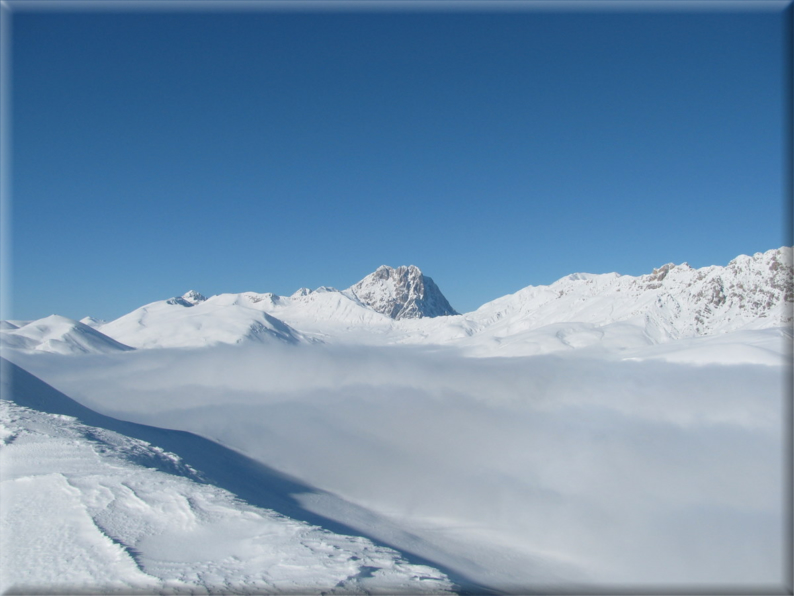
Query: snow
x=770, y=347
x=602, y=431
x=169, y=324
x=60, y=335
x=670, y=303
x=614, y=312
x=525, y=471
x=92, y=321
x=123, y=524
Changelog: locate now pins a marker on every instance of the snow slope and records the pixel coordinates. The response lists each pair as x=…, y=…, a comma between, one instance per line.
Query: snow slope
x=133, y=516
x=60, y=335
x=185, y=322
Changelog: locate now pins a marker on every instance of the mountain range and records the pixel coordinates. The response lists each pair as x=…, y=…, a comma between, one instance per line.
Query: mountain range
x=373, y=440
x=404, y=306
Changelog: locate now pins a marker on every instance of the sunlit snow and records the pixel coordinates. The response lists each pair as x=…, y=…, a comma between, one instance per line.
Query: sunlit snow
x=603, y=432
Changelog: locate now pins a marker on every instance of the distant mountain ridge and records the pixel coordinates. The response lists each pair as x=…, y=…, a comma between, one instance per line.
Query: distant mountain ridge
x=403, y=306
x=59, y=335
x=671, y=302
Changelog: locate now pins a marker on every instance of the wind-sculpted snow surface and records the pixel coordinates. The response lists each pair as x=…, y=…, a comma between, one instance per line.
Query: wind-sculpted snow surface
x=90, y=510
x=520, y=474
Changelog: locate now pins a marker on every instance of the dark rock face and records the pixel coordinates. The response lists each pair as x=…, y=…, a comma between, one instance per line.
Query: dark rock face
x=402, y=293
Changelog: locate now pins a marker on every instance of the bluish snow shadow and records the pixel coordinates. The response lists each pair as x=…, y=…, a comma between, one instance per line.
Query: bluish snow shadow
x=251, y=481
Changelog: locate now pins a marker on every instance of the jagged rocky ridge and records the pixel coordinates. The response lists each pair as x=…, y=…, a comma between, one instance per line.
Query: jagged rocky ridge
x=673, y=301
x=402, y=293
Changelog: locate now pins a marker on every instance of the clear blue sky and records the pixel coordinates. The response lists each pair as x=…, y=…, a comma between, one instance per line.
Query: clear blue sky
x=156, y=152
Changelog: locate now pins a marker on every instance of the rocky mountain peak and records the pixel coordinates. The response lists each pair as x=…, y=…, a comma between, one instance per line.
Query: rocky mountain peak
x=190, y=298
x=402, y=293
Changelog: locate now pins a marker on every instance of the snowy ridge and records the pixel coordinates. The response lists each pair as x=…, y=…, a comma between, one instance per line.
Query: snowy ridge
x=60, y=335
x=135, y=517
x=170, y=324
x=674, y=301
x=92, y=321
x=402, y=306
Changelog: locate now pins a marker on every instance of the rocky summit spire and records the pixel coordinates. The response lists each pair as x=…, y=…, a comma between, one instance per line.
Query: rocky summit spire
x=402, y=293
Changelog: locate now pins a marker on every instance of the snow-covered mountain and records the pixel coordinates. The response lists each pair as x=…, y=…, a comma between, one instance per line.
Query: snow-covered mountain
x=673, y=301
x=60, y=335
x=403, y=306
x=402, y=293
x=495, y=472
x=191, y=321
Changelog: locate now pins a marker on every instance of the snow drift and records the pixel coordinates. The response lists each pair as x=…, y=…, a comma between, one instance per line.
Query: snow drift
x=132, y=516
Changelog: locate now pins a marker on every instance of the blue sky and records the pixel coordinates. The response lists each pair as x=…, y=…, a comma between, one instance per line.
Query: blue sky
x=156, y=152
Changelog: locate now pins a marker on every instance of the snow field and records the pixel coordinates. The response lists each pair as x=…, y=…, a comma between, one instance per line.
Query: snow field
x=81, y=512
